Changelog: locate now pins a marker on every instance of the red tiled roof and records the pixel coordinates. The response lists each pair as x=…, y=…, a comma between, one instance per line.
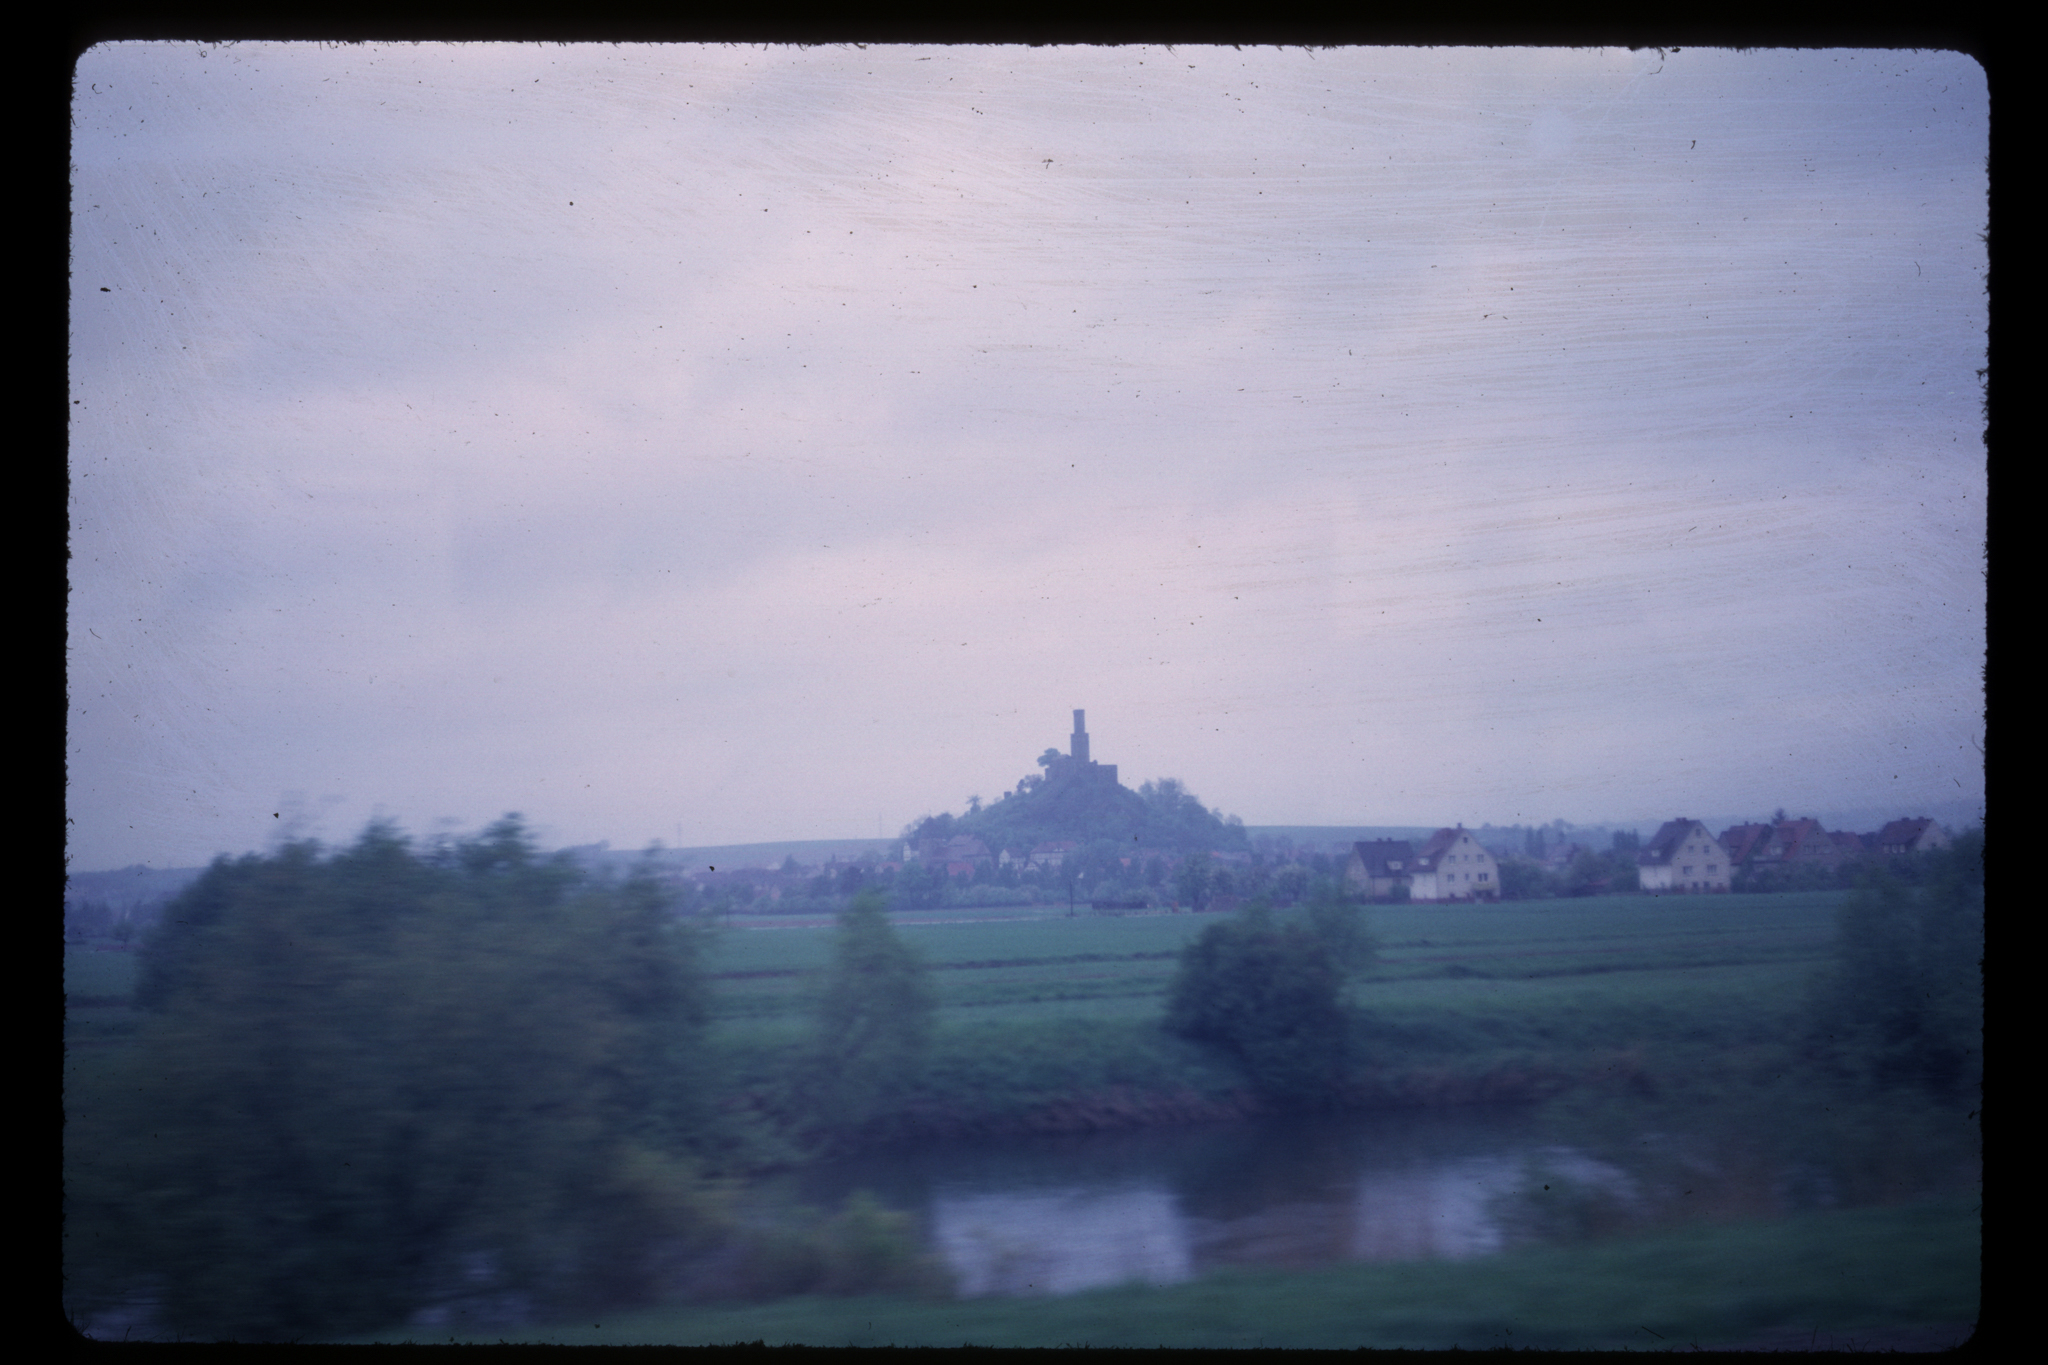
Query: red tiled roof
x=1805, y=839
x=1743, y=840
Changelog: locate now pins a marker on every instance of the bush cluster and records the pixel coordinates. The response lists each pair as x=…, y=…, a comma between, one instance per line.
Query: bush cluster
x=389, y=1080
x=1270, y=993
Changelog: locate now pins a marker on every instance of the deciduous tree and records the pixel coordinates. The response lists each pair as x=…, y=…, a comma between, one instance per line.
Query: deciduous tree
x=363, y=1069
x=874, y=1019
x=1270, y=995
x=1903, y=1003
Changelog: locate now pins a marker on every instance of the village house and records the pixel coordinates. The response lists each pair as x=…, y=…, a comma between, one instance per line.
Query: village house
x=1801, y=841
x=948, y=853
x=1453, y=866
x=1909, y=836
x=1377, y=866
x=1743, y=841
x=1683, y=856
x=1788, y=843
x=1050, y=854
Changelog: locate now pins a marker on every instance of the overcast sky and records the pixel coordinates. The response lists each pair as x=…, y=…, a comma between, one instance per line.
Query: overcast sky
x=727, y=444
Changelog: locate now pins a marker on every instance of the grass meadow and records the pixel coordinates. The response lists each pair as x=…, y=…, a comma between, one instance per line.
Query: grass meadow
x=1041, y=1011
x=1465, y=1001
x=1845, y=1276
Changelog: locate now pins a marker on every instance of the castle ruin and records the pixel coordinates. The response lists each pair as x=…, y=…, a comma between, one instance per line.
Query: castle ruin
x=1079, y=768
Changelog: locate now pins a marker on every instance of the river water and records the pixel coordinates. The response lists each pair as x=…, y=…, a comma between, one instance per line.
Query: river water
x=1056, y=1214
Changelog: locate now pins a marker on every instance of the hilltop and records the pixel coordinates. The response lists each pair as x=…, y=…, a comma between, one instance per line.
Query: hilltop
x=1078, y=800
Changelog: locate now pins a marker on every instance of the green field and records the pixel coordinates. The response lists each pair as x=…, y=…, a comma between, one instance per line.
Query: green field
x=94, y=973
x=1841, y=1277
x=1040, y=1010
x=97, y=985
x=1073, y=965
x=1466, y=1002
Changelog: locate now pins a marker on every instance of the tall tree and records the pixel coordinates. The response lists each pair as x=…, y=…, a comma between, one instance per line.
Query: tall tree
x=1903, y=1002
x=1269, y=995
x=373, y=1077
x=874, y=1019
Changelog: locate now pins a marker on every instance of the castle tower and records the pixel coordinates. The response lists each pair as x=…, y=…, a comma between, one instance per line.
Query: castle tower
x=1080, y=738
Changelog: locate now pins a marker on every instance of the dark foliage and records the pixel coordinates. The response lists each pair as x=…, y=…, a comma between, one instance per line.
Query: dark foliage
x=1270, y=994
x=1071, y=802
x=1904, y=1002
x=382, y=1078
x=874, y=1020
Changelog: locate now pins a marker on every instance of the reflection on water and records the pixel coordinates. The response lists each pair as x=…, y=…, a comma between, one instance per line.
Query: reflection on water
x=1430, y=1211
x=1057, y=1214
x=1083, y=1236
x=1055, y=1242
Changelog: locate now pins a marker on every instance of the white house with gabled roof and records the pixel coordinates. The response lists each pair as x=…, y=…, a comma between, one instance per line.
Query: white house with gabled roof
x=1454, y=866
x=1683, y=856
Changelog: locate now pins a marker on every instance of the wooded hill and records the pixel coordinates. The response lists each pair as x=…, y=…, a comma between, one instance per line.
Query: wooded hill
x=1084, y=802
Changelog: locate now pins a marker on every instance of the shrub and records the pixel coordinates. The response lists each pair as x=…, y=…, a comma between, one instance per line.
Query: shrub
x=1903, y=1002
x=873, y=1022
x=366, y=1071
x=1269, y=995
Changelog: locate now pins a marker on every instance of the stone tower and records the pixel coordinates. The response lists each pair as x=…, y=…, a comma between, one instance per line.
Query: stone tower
x=1079, y=750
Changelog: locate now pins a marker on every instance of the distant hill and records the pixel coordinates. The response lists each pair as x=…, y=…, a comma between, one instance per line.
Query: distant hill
x=1079, y=799
x=809, y=852
x=130, y=887
x=128, y=900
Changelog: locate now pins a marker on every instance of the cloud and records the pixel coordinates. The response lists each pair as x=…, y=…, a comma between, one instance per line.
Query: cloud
x=730, y=443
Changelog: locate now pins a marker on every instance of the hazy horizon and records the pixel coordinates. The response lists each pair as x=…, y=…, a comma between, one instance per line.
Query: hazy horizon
x=701, y=444
x=1952, y=816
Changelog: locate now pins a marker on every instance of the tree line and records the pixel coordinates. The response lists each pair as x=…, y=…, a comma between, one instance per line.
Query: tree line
x=391, y=1078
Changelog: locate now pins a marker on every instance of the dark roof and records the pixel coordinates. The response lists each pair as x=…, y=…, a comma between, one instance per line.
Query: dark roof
x=1901, y=833
x=1665, y=841
x=1433, y=848
x=1378, y=853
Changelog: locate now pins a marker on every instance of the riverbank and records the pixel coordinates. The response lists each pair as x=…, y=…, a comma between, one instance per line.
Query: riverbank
x=1908, y=1276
